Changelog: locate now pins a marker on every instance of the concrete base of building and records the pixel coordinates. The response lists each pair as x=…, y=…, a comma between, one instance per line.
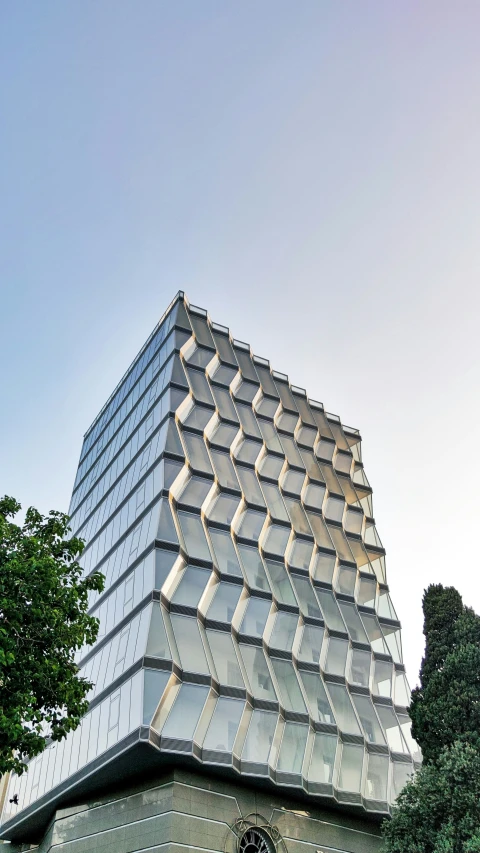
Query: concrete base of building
x=183, y=812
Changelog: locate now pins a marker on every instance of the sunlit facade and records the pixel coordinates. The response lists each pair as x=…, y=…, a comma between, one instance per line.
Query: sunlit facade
x=247, y=633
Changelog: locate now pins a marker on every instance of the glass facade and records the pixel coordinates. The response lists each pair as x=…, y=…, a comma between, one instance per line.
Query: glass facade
x=246, y=618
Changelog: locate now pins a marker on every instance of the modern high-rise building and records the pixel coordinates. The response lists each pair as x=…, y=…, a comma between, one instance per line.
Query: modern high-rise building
x=249, y=690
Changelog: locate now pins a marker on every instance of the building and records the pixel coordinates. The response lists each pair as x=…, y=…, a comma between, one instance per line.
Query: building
x=249, y=689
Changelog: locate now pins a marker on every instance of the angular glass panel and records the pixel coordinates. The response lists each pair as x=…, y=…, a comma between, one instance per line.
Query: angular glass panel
x=353, y=521
x=194, y=535
x=189, y=643
x=200, y=387
x=336, y=656
x=306, y=436
x=286, y=396
x=268, y=385
x=322, y=762
x=367, y=591
x=261, y=684
x=389, y=722
x=292, y=482
x=225, y=555
x=333, y=485
x=197, y=356
x=202, y=331
x=255, y=617
x=250, y=486
x=360, y=662
x=246, y=391
x=331, y=613
x=394, y=642
x=314, y=496
x=172, y=441
x=353, y=622
x=250, y=524
x=290, y=694
x=185, y=714
x=311, y=645
x=164, y=561
x=301, y=554
x=259, y=736
x=224, y=348
x=297, y=517
x=343, y=462
x=224, y=403
x=166, y=527
x=291, y=452
x=224, y=724
x=276, y=540
x=225, y=658
x=340, y=542
x=304, y=409
x=246, y=364
x=306, y=597
x=325, y=450
x=191, y=587
x=402, y=690
x=224, y=508
x=318, y=704
x=271, y=466
x=292, y=749
x=382, y=678
x=406, y=727
x=197, y=453
x=287, y=422
x=224, y=602
x=254, y=568
x=346, y=580
x=312, y=466
x=368, y=718
x=248, y=421
x=334, y=509
x=283, y=633
x=346, y=719
x=266, y=407
x=384, y=605
x=280, y=583
x=247, y=451
x=197, y=417
x=195, y=491
x=154, y=684
x=375, y=635
x=224, y=470
x=377, y=777
x=270, y=437
x=275, y=503
x=323, y=567
x=351, y=767
x=223, y=436
x=320, y=532
x=224, y=374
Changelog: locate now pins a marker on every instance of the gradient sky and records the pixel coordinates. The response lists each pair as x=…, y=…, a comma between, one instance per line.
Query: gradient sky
x=309, y=173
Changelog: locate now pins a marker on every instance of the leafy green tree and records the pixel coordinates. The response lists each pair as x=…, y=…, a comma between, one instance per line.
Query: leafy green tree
x=43, y=621
x=438, y=811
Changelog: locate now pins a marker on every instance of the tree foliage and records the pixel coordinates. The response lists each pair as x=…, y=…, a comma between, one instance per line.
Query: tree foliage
x=439, y=810
x=43, y=621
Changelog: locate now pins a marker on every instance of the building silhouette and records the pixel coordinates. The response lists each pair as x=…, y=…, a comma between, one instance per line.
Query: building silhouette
x=249, y=691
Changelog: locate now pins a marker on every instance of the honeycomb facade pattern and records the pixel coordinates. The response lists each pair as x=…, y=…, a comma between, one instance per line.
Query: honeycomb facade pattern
x=246, y=621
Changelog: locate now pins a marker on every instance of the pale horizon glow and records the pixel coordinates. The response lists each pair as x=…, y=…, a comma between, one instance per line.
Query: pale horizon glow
x=309, y=174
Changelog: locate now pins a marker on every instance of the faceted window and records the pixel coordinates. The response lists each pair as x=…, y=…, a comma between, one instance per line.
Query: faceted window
x=259, y=737
x=224, y=602
x=311, y=644
x=191, y=587
x=255, y=617
x=290, y=694
x=185, y=714
x=254, y=568
x=292, y=748
x=322, y=762
x=225, y=658
x=224, y=725
x=284, y=629
x=225, y=555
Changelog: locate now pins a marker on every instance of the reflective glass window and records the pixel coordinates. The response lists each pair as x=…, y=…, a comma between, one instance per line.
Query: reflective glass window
x=200, y=387
x=319, y=529
x=197, y=453
x=270, y=437
x=271, y=466
x=382, y=678
x=311, y=645
x=224, y=403
x=280, y=583
x=351, y=767
x=266, y=380
x=298, y=518
x=345, y=580
x=314, y=495
x=194, y=535
x=246, y=364
x=331, y=613
x=192, y=586
x=225, y=555
x=384, y=605
x=254, y=568
x=318, y=703
x=284, y=629
x=250, y=524
x=224, y=602
x=306, y=597
x=290, y=694
x=224, y=724
x=224, y=374
x=189, y=643
x=257, y=671
x=366, y=592
x=202, y=330
x=259, y=736
x=154, y=685
x=291, y=452
x=224, y=508
x=368, y=718
x=307, y=436
x=312, y=466
x=300, y=554
x=336, y=659
x=402, y=690
x=394, y=642
x=344, y=712
x=390, y=724
x=353, y=622
x=195, y=491
x=224, y=470
x=224, y=435
x=323, y=567
x=275, y=503
x=246, y=391
x=287, y=422
x=401, y=773
x=374, y=633
x=255, y=617
x=340, y=542
x=276, y=540
x=360, y=662
x=224, y=348
x=248, y=421
x=225, y=658
x=292, y=749
x=197, y=417
x=325, y=450
x=353, y=521
x=250, y=486
x=333, y=485
x=334, y=509
x=266, y=407
x=247, y=451
x=292, y=482
x=322, y=762
x=406, y=727
x=377, y=777
x=185, y=714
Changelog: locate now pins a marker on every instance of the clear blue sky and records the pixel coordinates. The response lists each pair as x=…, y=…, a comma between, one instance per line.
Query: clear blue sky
x=309, y=172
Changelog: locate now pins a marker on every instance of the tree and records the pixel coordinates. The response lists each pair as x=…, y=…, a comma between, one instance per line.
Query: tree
x=438, y=811
x=43, y=621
